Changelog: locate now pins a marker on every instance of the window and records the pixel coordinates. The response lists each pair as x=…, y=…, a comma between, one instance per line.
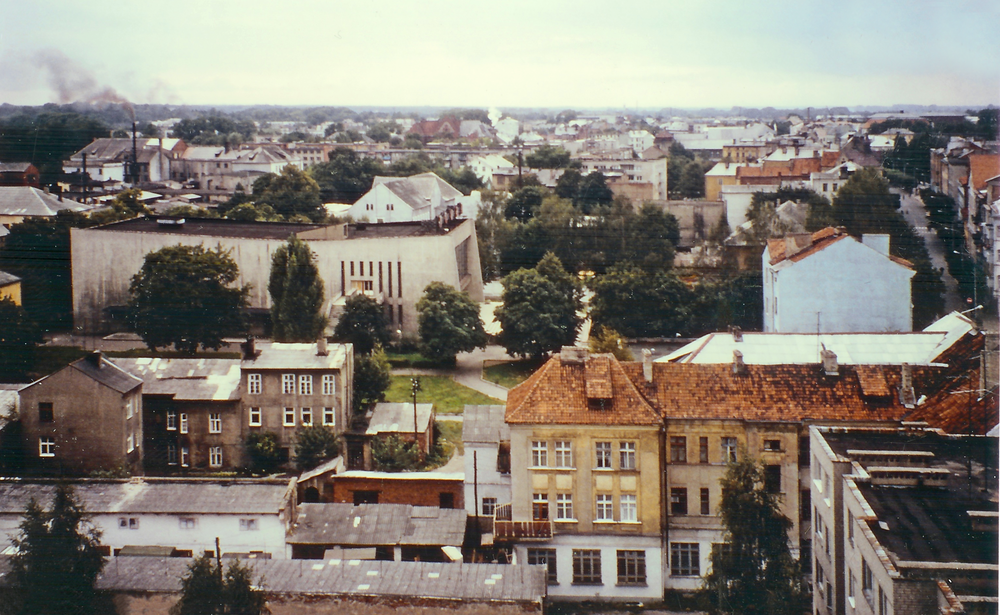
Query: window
x=255, y=417
x=586, y=567
x=684, y=559
x=564, y=506
x=772, y=478
x=184, y=456
x=729, y=450
x=539, y=454
x=253, y=384
x=187, y=523
x=850, y=527
x=819, y=574
x=489, y=506
x=627, y=506
x=602, y=454
x=215, y=456
x=564, y=455
x=867, y=581
x=288, y=420
x=826, y=541
x=305, y=385
x=851, y=582
x=215, y=423
x=288, y=384
x=829, y=596
x=46, y=446
x=883, y=602
x=128, y=523
x=773, y=446
x=826, y=485
x=678, y=501
x=545, y=557
x=605, y=509
x=631, y=567
x=45, y=412
x=129, y=410
x=703, y=450
x=626, y=452
x=328, y=417
x=171, y=420
x=307, y=417
x=540, y=506
x=130, y=443
x=328, y=384
x=248, y=525
x=678, y=449
x=705, y=507
x=184, y=422
x=172, y=454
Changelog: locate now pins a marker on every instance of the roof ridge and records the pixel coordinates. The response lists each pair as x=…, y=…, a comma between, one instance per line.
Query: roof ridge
x=631, y=383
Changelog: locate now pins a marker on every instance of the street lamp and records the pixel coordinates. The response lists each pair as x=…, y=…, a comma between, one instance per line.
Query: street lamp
x=414, y=389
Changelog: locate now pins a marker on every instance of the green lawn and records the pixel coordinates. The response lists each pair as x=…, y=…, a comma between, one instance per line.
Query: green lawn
x=448, y=396
x=414, y=359
x=512, y=373
x=451, y=432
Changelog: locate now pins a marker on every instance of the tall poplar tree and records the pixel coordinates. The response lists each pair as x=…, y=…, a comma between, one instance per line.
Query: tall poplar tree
x=296, y=293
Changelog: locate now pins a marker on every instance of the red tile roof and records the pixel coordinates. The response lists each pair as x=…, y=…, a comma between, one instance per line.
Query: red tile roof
x=777, y=248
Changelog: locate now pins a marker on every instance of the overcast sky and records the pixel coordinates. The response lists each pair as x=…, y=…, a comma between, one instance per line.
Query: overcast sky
x=537, y=53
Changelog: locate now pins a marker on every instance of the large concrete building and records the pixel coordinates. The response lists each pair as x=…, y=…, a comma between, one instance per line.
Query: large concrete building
x=392, y=262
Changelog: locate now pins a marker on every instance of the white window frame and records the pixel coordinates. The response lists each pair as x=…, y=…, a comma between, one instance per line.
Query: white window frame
x=171, y=454
x=729, y=447
x=564, y=454
x=254, y=384
x=489, y=506
x=215, y=456
x=249, y=525
x=128, y=408
x=305, y=384
x=626, y=456
x=255, y=416
x=329, y=417
x=288, y=417
x=628, y=509
x=306, y=417
x=185, y=457
x=329, y=384
x=564, y=507
x=215, y=422
x=184, y=422
x=288, y=384
x=130, y=443
x=602, y=455
x=187, y=523
x=171, y=420
x=539, y=454
x=46, y=446
x=604, y=507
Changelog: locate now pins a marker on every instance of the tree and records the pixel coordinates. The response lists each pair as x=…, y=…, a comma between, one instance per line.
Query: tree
x=47, y=139
x=547, y=157
x=692, y=180
x=449, y=323
x=346, y=176
x=264, y=451
x=540, y=311
x=205, y=591
x=394, y=454
x=610, y=341
x=291, y=192
x=650, y=238
x=314, y=444
x=58, y=559
x=592, y=193
x=363, y=324
x=296, y=293
x=493, y=232
x=754, y=572
x=18, y=339
x=523, y=204
x=183, y=295
x=372, y=377
x=639, y=303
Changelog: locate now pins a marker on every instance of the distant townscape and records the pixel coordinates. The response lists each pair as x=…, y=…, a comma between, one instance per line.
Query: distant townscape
x=469, y=360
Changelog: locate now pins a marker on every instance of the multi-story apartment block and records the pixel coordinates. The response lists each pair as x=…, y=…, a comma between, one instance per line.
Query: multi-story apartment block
x=640, y=180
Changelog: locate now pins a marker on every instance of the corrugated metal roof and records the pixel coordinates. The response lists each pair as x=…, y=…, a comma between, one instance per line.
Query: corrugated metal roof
x=107, y=373
x=485, y=424
x=397, y=417
x=28, y=201
x=155, y=496
x=469, y=582
x=369, y=525
x=187, y=379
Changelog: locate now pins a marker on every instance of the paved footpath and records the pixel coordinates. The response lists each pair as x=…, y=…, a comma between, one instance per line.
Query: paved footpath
x=468, y=371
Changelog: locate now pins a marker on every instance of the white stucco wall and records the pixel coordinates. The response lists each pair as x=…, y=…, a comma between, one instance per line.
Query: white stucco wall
x=491, y=484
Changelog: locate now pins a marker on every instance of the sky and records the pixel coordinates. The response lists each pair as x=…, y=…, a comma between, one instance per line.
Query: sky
x=582, y=54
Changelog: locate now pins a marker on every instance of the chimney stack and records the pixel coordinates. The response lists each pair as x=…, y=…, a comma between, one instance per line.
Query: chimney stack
x=739, y=367
x=249, y=349
x=573, y=355
x=94, y=358
x=647, y=364
x=321, y=349
x=829, y=358
x=907, y=396
x=796, y=242
x=737, y=334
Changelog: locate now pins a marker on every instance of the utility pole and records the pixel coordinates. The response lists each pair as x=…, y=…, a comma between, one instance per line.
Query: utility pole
x=414, y=389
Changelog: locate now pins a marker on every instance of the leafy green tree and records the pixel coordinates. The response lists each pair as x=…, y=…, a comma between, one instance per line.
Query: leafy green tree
x=372, y=377
x=413, y=141
x=638, y=303
x=264, y=451
x=540, y=311
x=57, y=561
x=449, y=323
x=650, y=238
x=314, y=444
x=19, y=337
x=183, y=295
x=46, y=139
x=463, y=179
x=346, y=176
x=206, y=591
x=754, y=572
x=692, y=180
x=610, y=341
x=363, y=324
x=493, y=233
x=190, y=211
x=394, y=454
x=568, y=184
x=523, y=204
x=214, y=130
x=592, y=193
x=249, y=212
x=296, y=293
x=547, y=157
x=291, y=192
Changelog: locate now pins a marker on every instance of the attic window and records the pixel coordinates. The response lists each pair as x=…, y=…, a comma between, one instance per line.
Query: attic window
x=598, y=403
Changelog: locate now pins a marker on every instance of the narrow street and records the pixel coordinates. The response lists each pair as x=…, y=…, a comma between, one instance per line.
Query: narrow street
x=915, y=213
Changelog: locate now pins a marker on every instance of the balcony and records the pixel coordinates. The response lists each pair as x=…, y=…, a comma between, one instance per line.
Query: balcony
x=507, y=530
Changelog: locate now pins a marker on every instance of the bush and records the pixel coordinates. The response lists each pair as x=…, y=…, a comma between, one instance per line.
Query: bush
x=394, y=454
x=264, y=451
x=314, y=444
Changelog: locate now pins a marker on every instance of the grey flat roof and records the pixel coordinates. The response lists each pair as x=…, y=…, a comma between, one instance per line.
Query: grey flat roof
x=296, y=356
x=154, y=496
x=397, y=417
x=369, y=525
x=469, y=582
x=187, y=379
x=485, y=424
x=210, y=227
